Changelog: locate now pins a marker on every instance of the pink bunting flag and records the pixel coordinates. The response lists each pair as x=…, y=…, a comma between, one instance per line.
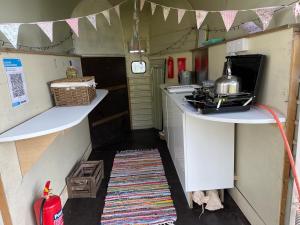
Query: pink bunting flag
x=106, y=15
x=180, y=13
x=117, y=9
x=142, y=3
x=153, y=7
x=92, y=19
x=265, y=15
x=47, y=28
x=200, y=17
x=166, y=11
x=73, y=23
x=11, y=32
x=228, y=18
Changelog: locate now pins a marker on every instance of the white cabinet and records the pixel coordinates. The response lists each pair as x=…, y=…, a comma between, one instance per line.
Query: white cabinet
x=165, y=115
x=202, y=151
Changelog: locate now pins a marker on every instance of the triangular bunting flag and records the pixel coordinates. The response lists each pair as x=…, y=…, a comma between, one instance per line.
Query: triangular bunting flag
x=47, y=28
x=265, y=15
x=180, y=13
x=142, y=3
x=106, y=15
x=166, y=11
x=228, y=18
x=11, y=31
x=73, y=23
x=153, y=7
x=200, y=17
x=117, y=8
x=92, y=19
x=297, y=9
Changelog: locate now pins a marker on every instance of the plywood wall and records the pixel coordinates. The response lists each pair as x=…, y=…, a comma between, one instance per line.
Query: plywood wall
x=62, y=154
x=259, y=149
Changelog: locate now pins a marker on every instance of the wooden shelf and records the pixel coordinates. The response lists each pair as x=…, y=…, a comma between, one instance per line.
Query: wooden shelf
x=54, y=120
x=253, y=116
x=33, y=137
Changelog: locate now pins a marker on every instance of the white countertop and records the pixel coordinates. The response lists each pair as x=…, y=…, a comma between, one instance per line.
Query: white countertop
x=254, y=116
x=54, y=120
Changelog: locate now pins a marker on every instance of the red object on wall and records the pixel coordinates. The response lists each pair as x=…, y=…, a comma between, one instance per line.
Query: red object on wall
x=48, y=210
x=181, y=62
x=170, y=67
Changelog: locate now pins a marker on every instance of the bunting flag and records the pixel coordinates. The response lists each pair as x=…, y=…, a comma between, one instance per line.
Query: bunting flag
x=297, y=9
x=180, y=13
x=47, y=28
x=92, y=19
x=73, y=23
x=117, y=9
x=142, y=3
x=166, y=11
x=11, y=31
x=265, y=15
x=200, y=17
x=228, y=17
x=106, y=15
x=153, y=7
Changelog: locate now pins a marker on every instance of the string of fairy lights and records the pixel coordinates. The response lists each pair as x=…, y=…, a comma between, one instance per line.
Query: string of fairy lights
x=180, y=41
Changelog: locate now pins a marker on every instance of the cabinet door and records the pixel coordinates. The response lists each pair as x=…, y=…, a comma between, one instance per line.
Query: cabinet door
x=179, y=120
x=165, y=115
x=170, y=122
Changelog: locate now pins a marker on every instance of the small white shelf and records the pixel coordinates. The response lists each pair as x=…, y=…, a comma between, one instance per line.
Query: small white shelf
x=253, y=116
x=54, y=120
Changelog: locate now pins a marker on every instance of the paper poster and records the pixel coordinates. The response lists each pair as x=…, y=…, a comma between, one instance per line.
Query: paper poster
x=16, y=81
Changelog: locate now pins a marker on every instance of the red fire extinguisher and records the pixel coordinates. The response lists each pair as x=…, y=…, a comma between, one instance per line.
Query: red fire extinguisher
x=170, y=67
x=48, y=210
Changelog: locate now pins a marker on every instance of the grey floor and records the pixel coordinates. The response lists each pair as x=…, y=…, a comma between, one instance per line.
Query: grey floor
x=88, y=211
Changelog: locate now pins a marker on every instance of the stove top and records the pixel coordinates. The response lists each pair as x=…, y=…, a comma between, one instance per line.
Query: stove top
x=206, y=101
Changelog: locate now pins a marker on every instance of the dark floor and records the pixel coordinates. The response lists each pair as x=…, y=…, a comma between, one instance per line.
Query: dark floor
x=88, y=211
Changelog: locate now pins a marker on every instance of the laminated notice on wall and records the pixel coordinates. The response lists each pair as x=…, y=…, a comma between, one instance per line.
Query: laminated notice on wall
x=16, y=81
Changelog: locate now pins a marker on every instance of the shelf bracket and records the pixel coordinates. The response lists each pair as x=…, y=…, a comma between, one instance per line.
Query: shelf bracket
x=30, y=150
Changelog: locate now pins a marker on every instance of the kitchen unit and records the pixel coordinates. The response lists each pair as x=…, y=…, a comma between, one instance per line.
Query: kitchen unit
x=202, y=146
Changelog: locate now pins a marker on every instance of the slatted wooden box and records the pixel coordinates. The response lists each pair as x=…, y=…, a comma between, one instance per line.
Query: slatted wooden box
x=85, y=179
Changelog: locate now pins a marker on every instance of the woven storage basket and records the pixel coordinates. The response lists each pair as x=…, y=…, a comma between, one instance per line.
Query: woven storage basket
x=73, y=91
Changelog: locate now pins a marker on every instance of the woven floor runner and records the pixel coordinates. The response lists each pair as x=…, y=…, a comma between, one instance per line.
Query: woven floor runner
x=138, y=191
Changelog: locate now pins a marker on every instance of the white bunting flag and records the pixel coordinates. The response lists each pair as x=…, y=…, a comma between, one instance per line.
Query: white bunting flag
x=73, y=23
x=106, y=15
x=117, y=8
x=47, y=28
x=228, y=18
x=142, y=3
x=265, y=15
x=153, y=7
x=11, y=31
x=200, y=17
x=92, y=19
x=180, y=13
x=166, y=11
x=297, y=9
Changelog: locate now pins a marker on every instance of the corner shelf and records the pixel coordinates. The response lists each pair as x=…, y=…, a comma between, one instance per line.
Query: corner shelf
x=34, y=136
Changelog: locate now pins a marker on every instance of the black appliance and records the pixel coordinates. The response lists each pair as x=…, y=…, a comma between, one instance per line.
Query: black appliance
x=249, y=70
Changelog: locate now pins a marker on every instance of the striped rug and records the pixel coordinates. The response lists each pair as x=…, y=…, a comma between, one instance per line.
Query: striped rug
x=138, y=191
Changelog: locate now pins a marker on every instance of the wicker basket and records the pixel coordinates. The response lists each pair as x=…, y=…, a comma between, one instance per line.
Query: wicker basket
x=73, y=91
x=85, y=179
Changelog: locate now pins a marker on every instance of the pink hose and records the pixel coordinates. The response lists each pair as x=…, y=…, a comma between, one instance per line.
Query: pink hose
x=287, y=146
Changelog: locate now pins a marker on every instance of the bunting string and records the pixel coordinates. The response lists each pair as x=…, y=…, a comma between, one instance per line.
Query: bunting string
x=264, y=15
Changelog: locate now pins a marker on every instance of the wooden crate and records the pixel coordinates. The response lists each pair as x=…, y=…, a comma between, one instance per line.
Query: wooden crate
x=85, y=179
